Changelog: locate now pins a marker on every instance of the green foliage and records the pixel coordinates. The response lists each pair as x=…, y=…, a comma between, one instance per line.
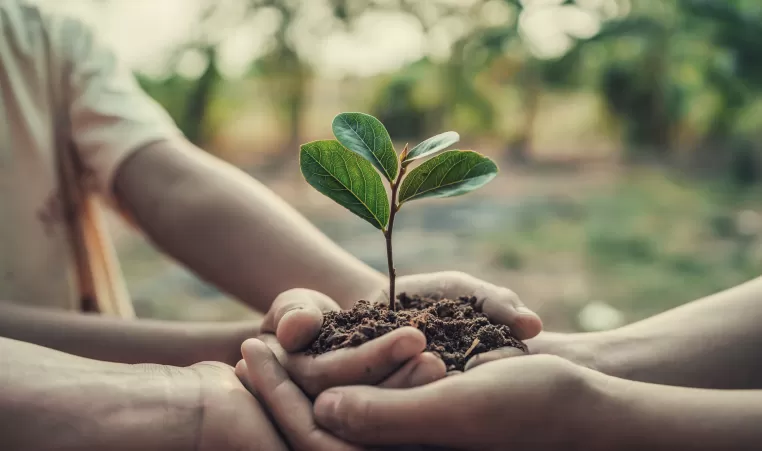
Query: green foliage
x=346, y=178
x=343, y=170
x=432, y=145
x=366, y=136
x=452, y=173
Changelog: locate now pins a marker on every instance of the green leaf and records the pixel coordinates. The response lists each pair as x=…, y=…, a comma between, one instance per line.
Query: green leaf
x=346, y=178
x=432, y=146
x=452, y=173
x=365, y=135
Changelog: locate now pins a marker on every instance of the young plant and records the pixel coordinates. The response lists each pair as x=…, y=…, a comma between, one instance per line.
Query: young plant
x=347, y=170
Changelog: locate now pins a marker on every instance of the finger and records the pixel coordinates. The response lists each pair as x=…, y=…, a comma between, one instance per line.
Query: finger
x=242, y=373
x=369, y=363
x=503, y=306
x=497, y=354
x=379, y=416
x=420, y=370
x=296, y=316
x=289, y=407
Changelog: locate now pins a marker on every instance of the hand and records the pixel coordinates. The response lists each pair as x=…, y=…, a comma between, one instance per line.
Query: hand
x=533, y=402
x=289, y=407
x=274, y=370
x=231, y=418
x=500, y=304
x=393, y=360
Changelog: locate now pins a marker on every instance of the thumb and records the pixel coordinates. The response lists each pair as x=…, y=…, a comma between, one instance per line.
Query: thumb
x=377, y=416
x=296, y=316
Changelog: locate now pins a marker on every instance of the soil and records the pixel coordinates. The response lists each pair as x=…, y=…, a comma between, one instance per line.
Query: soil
x=455, y=331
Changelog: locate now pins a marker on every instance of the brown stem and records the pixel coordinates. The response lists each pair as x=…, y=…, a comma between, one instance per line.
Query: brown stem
x=388, y=234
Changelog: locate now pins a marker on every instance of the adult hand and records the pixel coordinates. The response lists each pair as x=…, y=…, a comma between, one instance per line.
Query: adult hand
x=500, y=304
x=231, y=418
x=288, y=406
x=533, y=402
x=393, y=360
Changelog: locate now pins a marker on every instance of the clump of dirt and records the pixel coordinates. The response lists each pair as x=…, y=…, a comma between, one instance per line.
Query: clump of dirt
x=455, y=331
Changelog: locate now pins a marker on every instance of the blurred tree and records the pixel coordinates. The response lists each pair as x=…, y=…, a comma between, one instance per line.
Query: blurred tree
x=658, y=65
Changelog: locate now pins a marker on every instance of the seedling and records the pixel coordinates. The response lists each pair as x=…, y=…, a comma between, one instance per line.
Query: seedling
x=349, y=169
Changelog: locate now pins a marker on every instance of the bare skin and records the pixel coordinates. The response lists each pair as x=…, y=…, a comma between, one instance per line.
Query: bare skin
x=714, y=342
x=234, y=232
x=157, y=406
x=543, y=402
x=114, y=340
x=51, y=400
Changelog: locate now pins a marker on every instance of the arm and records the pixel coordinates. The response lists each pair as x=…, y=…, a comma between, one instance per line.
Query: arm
x=210, y=216
x=114, y=340
x=51, y=400
x=715, y=342
x=232, y=230
x=658, y=417
x=55, y=401
x=544, y=402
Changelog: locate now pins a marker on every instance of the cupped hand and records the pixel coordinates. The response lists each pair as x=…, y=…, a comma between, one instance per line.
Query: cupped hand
x=500, y=304
x=287, y=404
x=392, y=360
x=297, y=315
x=533, y=402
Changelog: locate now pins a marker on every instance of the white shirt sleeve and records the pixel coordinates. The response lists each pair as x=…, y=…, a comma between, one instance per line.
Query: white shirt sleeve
x=109, y=114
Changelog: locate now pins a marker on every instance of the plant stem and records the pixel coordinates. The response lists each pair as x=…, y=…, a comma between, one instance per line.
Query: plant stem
x=388, y=234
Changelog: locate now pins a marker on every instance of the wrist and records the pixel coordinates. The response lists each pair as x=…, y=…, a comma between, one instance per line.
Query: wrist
x=141, y=407
x=173, y=409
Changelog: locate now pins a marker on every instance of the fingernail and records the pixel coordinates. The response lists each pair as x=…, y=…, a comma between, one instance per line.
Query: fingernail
x=326, y=407
x=404, y=349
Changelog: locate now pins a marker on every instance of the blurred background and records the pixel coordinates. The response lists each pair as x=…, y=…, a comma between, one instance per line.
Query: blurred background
x=628, y=132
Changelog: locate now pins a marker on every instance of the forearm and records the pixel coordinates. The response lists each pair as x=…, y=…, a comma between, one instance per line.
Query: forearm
x=50, y=400
x=715, y=342
x=626, y=415
x=115, y=340
x=233, y=231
